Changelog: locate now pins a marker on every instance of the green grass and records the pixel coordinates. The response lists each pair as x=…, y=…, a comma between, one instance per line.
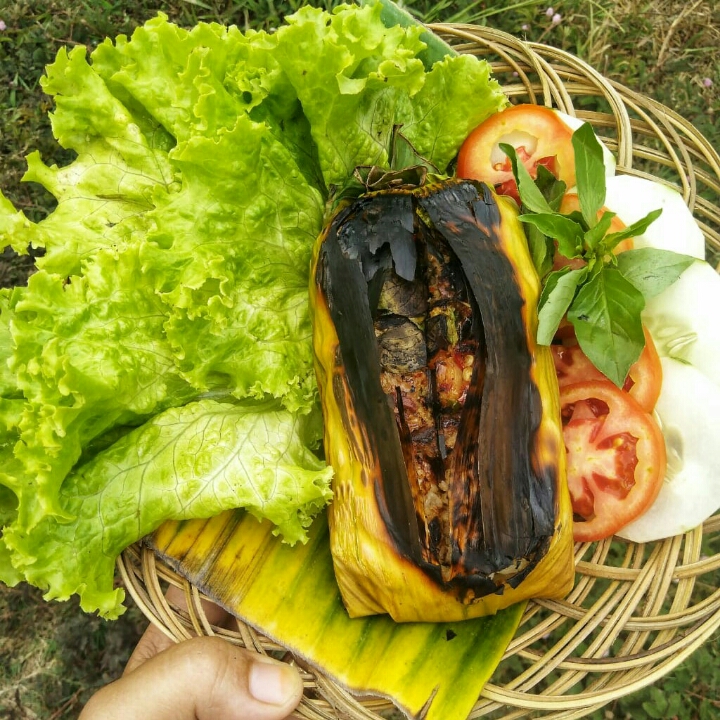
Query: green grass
x=53, y=656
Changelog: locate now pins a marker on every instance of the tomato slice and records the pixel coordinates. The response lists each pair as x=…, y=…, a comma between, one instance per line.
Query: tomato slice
x=643, y=383
x=538, y=135
x=615, y=458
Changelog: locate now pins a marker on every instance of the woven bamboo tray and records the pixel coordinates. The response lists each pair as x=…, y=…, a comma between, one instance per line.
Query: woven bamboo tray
x=636, y=611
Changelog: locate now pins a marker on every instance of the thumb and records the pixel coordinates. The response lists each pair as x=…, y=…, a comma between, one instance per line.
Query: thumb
x=201, y=679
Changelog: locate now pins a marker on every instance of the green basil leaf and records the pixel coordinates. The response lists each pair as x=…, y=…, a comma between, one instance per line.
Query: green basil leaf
x=651, y=270
x=551, y=188
x=541, y=249
x=577, y=216
x=589, y=172
x=595, y=234
x=557, y=294
x=637, y=228
x=606, y=317
x=530, y=195
x=569, y=234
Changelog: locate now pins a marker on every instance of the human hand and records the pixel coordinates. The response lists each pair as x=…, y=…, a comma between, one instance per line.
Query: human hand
x=199, y=679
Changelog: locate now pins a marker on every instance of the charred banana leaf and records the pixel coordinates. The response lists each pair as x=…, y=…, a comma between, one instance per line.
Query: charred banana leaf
x=441, y=412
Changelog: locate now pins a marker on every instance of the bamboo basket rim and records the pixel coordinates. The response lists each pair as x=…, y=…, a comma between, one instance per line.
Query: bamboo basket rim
x=636, y=611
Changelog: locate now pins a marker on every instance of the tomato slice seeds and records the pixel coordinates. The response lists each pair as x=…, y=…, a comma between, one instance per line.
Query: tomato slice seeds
x=615, y=457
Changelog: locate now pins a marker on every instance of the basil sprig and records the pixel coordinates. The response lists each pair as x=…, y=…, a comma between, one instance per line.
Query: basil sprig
x=604, y=297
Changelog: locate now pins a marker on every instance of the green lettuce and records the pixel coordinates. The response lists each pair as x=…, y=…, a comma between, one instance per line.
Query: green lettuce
x=89, y=354
x=9, y=574
x=171, y=295
x=357, y=80
x=8, y=381
x=109, y=186
x=242, y=303
x=189, y=462
x=10, y=475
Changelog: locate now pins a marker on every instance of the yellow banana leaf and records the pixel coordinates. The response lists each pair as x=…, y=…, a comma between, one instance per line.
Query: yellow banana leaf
x=431, y=671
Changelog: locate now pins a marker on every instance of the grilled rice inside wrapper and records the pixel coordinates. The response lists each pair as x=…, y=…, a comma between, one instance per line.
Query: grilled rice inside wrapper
x=441, y=412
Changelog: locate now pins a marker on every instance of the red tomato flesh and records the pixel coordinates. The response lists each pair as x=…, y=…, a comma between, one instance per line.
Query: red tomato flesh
x=509, y=187
x=643, y=382
x=615, y=458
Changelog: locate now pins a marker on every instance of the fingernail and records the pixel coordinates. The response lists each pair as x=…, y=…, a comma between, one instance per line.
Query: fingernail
x=273, y=683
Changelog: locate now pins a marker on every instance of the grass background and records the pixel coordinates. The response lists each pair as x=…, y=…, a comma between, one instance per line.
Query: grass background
x=53, y=655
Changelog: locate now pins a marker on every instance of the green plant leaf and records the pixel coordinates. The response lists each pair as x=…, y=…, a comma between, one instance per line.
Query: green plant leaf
x=569, y=234
x=530, y=194
x=658, y=705
x=551, y=187
x=595, y=234
x=556, y=297
x=456, y=96
x=650, y=270
x=675, y=704
x=577, y=216
x=392, y=15
x=589, y=172
x=637, y=228
x=606, y=317
x=541, y=249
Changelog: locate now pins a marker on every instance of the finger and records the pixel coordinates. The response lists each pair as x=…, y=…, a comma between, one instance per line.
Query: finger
x=154, y=641
x=201, y=679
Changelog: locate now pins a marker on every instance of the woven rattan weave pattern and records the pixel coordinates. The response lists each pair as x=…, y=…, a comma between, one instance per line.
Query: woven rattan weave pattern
x=636, y=611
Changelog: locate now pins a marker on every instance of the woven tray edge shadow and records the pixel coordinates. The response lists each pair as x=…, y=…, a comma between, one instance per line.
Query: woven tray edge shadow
x=637, y=611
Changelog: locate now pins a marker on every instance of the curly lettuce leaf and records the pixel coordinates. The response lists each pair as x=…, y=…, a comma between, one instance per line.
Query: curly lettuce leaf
x=88, y=354
x=269, y=97
x=351, y=75
x=177, y=262
x=103, y=191
x=172, y=73
x=10, y=474
x=357, y=80
x=206, y=289
x=457, y=95
x=239, y=304
x=15, y=229
x=230, y=248
x=8, y=511
x=190, y=462
x=10, y=466
x=8, y=381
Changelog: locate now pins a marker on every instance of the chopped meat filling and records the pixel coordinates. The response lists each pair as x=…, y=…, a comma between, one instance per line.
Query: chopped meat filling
x=429, y=340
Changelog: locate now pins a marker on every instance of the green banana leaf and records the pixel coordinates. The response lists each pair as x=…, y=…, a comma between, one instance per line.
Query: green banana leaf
x=430, y=671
